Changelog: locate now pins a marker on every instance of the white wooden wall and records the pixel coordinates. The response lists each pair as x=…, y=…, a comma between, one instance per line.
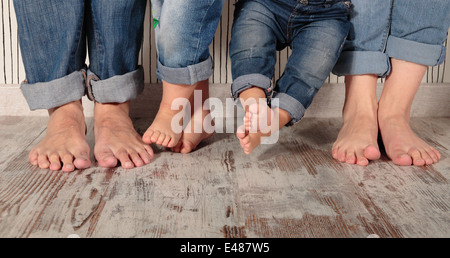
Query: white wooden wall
x=12, y=71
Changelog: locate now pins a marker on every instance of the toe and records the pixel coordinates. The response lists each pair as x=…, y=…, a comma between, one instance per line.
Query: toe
x=136, y=158
x=416, y=157
x=124, y=159
x=43, y=161
x=82, y=160
x=372, y=153
x=33, y=157
x=147, y=137
x=401, y=158
x=361, y=160
x=106, y=159
x=55, y=163
x=155, y=136
x=146, y=154
x=67, y=160
x=350, y=157
x=187, y=147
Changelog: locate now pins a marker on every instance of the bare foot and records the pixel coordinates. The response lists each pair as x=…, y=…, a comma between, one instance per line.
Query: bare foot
x=64, y=146
x=250, y=140
x=116, y=140
x=357, y=140
x=200, y=126
x=403, y=146
x=166, y=129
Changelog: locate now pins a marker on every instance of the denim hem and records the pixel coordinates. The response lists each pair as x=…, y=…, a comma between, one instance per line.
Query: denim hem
x=186, y=75
x=117, y=89
x=55, y=93
x=251, y=80
x=295, y=109
x=416, y=52
x=362, y=62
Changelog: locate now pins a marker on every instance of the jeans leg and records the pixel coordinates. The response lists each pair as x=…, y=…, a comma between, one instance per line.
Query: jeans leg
x=315, y=50
x=183, y=35
x=364, y=50
x=253, y=48
x=52, y=42
x=115, y=31
x=419, y=30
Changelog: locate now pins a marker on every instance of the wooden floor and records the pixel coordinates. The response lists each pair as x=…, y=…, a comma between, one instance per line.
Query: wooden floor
x=291, y=189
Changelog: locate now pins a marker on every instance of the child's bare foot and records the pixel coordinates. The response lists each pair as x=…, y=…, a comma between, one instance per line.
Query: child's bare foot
x=402, y=145
x=162, y=131
x=195, y=131
x=64, y=146
x=250, y=140
x=357, y=140
x=116, y=140
x=258, y=117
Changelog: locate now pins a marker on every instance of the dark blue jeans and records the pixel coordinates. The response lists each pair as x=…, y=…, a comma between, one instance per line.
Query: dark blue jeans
x=314, y=29
x=53, y=36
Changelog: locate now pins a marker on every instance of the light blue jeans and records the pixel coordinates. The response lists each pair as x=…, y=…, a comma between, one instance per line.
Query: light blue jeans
x=410, y=30
x=184, y=30
x=314, y=29
x=53, y=36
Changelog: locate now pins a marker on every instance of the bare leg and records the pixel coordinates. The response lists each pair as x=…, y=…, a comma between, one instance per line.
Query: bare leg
x=195, y=131
x=402, y=145
x=357, y=139
x=64, y=146
x=251, y=133
x=160, y=131
x=116, y=139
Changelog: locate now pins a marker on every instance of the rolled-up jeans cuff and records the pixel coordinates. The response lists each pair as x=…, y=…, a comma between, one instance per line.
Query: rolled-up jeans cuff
x=289, y=104
x=362, y=62
x=189, y=75
x=117, y=89
x=251, y=80
x=52, y=94
x=416, y=52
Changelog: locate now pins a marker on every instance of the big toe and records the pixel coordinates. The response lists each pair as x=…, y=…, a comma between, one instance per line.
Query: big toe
x=107, y=160
x=372, y=153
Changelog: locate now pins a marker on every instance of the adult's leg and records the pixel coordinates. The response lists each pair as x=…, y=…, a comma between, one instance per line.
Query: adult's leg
x=362, y=61
x=183, y=35
x=52, y=41
x=418, y=32
x=115, y=30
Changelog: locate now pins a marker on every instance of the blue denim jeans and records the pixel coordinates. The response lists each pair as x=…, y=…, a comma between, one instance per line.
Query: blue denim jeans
x=314, y=29
x=184, y=30
x=53, y=36
x=410, y=30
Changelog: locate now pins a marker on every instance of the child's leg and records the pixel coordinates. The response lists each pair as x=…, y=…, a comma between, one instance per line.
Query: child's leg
x=401, y=143
x=253, y=57
x=183, y=35
x=357, y=139
x=195, y=131
x=54, y=79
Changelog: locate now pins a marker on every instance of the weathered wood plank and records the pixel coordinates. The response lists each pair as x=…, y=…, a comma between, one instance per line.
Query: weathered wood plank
x=291, y=189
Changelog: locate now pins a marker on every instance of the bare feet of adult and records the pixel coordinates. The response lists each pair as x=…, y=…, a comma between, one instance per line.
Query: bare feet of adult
x=64, y=146
x=200, y=126
x=402, y=145
x=357, y=140
x=162, y=131
x=116, y=140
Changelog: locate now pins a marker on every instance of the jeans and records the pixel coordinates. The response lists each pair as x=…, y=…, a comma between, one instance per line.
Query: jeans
x=53, y=36
x=184, y=30
x=410, y=30
x=314, y=29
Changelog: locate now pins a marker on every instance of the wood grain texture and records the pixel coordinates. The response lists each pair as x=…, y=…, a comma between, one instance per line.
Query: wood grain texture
x=291, y=189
